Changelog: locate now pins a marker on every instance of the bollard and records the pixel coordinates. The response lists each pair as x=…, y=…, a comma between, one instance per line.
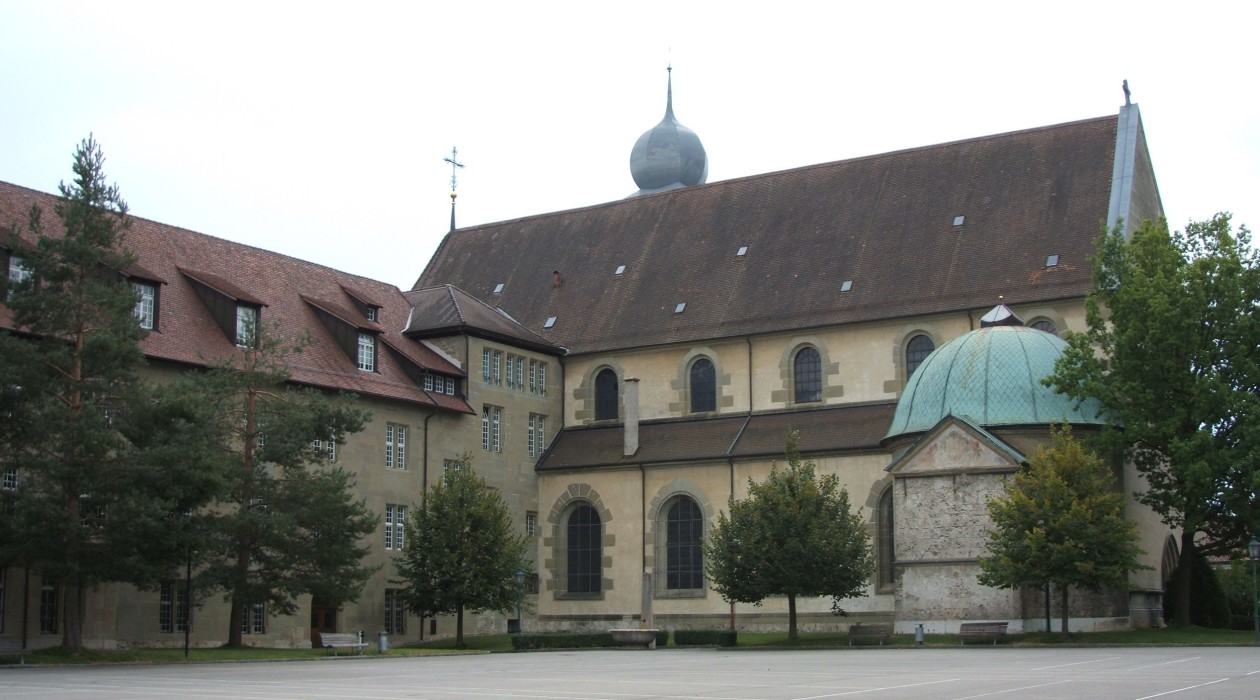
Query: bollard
x=382, y=641
x=918, y=634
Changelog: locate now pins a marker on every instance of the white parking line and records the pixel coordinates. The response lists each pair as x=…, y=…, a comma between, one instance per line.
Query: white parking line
x=1078, y=663
x=1189, y=687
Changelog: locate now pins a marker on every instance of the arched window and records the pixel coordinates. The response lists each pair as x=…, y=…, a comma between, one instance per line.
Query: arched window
x=884, y=538
x=807, y=373
x=703, y=386
x=1046, y=326
x=606, y=395
x=684, y=530
x=585, y=550
x=917, y=351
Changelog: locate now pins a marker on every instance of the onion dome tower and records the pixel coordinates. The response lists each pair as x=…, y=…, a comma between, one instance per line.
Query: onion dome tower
x=669, y=155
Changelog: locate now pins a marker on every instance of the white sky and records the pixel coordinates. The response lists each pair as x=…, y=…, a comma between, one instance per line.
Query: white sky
x=318, y=129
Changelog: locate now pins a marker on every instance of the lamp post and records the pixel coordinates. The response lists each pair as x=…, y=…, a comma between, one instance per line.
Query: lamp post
x=520, y=593
x=1253, y=549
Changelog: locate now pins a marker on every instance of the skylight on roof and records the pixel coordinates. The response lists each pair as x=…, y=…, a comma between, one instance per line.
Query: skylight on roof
x=1052, y=260
x=743, y=250
x=498, y=288
x=551, y=321
x=620, y=269
x=846, y=286
x=958, y=220
x=680, y=308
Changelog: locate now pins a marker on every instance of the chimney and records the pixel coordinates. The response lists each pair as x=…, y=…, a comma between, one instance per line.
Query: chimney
x=632, y=416
x=556, y=279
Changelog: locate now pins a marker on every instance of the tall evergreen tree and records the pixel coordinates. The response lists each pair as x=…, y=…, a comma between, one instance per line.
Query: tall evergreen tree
x=462, y=551
x=794, y=535
x=1172, y=350
x=87, y=502
x=1061, y=522
x=288, y=523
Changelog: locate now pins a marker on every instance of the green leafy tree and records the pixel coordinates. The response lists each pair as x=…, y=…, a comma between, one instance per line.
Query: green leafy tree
x=288, y=523
x=93, y=504
x=462, y=551
x=1061, y=522
x=1172, y=350
x=794, y=535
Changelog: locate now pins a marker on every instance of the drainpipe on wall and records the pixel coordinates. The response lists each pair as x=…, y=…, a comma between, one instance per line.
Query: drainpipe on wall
x=631, y=427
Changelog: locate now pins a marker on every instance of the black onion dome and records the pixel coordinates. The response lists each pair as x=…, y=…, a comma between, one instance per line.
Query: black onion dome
x=669, y=155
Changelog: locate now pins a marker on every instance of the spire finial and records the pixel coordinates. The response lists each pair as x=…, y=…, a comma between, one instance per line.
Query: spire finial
x=1125, y=87
x=669, y=91
x=455, y=166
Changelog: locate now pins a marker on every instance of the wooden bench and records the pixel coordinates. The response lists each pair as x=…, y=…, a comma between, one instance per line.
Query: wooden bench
x=981, y=630
x=10, y=645
x=861, y=631
x=341, y=640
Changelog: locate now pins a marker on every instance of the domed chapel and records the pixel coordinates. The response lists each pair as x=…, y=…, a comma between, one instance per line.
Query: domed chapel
x=619, y=371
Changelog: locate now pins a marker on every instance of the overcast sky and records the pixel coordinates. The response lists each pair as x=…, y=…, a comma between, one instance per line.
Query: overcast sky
x=319, y=130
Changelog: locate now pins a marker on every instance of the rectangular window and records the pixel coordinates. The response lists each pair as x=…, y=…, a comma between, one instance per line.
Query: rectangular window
x=373, y=314
x=491, y=360
x=537, y=434
x=47, y=608
x=395, y=613
x=18, y=273
x=254, y=618
x=10, y=479
x=326, y=448
x=450, y=467
x=246, y=325
x=367, y=352
x=428, y=382
x=509, y=372
x=538, y=377
x=173, y=607
x=491, y=424
x=395, y=446
x=531, y=523
x=395, y=520
x=146, y=304
x=450, y=386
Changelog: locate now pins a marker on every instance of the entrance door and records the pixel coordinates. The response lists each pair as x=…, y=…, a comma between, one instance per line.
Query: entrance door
x=323, y=619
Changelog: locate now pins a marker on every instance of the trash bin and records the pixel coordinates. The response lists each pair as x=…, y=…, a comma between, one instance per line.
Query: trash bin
x=918, y=633
x=382, y=641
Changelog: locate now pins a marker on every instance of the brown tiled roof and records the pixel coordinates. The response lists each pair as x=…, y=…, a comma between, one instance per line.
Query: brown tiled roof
x=445, y=310
x=849, y=428
x=187, y=333
x=884, y=222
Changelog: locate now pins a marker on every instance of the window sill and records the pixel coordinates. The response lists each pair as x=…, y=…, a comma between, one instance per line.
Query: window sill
x=579, y=596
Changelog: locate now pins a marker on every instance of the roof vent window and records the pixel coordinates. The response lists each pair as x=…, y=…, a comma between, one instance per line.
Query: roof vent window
x=1052, y=261
x=620, y=270
x=846, y=286
x=551, y=321
x=958, y=220
x=680, y=308
x=743, y=250
x=498, y=288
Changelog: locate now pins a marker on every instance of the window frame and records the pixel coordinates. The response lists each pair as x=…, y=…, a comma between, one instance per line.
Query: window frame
x=586, y=549
x=395, y=612
x=807, y=384
x=607, y=390
x=395, y=446
x=683, y=576
x=915, y=353
x=365, y=356
x=146, y=308
x=537, y=434
x=395, y=527
x=491, y=428
x=247, y=319
x=702, y=389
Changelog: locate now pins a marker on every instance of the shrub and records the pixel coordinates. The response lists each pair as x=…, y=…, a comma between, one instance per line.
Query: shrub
x=719, y=638
x=574, y=640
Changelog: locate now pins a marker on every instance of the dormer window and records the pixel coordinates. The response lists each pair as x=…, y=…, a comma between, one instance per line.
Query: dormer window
x=146, y=304
x=367, y=352
x=246, y=325
x=373, y=313
x=18, y=273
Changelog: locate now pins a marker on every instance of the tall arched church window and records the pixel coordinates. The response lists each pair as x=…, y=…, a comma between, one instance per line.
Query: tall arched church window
x=585, y=550
x=884, y=538
x=703, y=386
x=917, y=351
x=1047, y=326
x=606, y=395
x=807, y=373
x=684, y=530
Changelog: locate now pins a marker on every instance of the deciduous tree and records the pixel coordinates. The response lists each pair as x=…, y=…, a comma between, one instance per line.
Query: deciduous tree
x=1061, y=522
x=462, y=551
x=1172, y=351
x=794, y=535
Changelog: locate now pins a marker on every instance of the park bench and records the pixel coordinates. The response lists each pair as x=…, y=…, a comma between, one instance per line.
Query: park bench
x=341, y=640
x=10, y=645
x=863, y=631
x=981, y=630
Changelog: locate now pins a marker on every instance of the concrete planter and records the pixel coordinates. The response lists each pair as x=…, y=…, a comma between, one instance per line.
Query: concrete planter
x=634, y=637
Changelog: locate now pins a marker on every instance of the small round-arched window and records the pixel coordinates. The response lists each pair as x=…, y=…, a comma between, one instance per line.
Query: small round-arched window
x=703, y=386
x=606, y=395
x=807, y=375
x=1046, y=326
x=917, y=350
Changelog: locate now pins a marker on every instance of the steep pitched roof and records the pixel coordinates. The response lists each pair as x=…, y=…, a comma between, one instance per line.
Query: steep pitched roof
x=885, y=223
x=445, y=310
x=289, y=291
x=849, y=428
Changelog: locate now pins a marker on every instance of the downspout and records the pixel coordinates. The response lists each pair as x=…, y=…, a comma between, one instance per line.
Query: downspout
x=971, y=322
x=26, y=607
x=643, y=548
x=424, y=482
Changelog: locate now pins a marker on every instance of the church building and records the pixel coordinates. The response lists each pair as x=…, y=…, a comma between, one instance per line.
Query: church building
x=619, y=371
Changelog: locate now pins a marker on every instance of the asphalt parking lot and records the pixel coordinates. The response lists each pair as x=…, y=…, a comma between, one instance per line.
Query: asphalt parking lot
x=941, y=674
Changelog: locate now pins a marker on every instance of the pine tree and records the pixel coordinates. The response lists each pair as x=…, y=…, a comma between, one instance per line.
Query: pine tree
x=462, y=551
x=89, y=502
x=794, y=535
x=1062, y=523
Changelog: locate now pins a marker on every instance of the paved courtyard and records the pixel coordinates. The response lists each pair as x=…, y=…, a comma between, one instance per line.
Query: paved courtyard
x=941, y=674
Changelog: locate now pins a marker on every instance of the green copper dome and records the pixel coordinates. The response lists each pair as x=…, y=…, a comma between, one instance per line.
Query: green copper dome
x=991, y=376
